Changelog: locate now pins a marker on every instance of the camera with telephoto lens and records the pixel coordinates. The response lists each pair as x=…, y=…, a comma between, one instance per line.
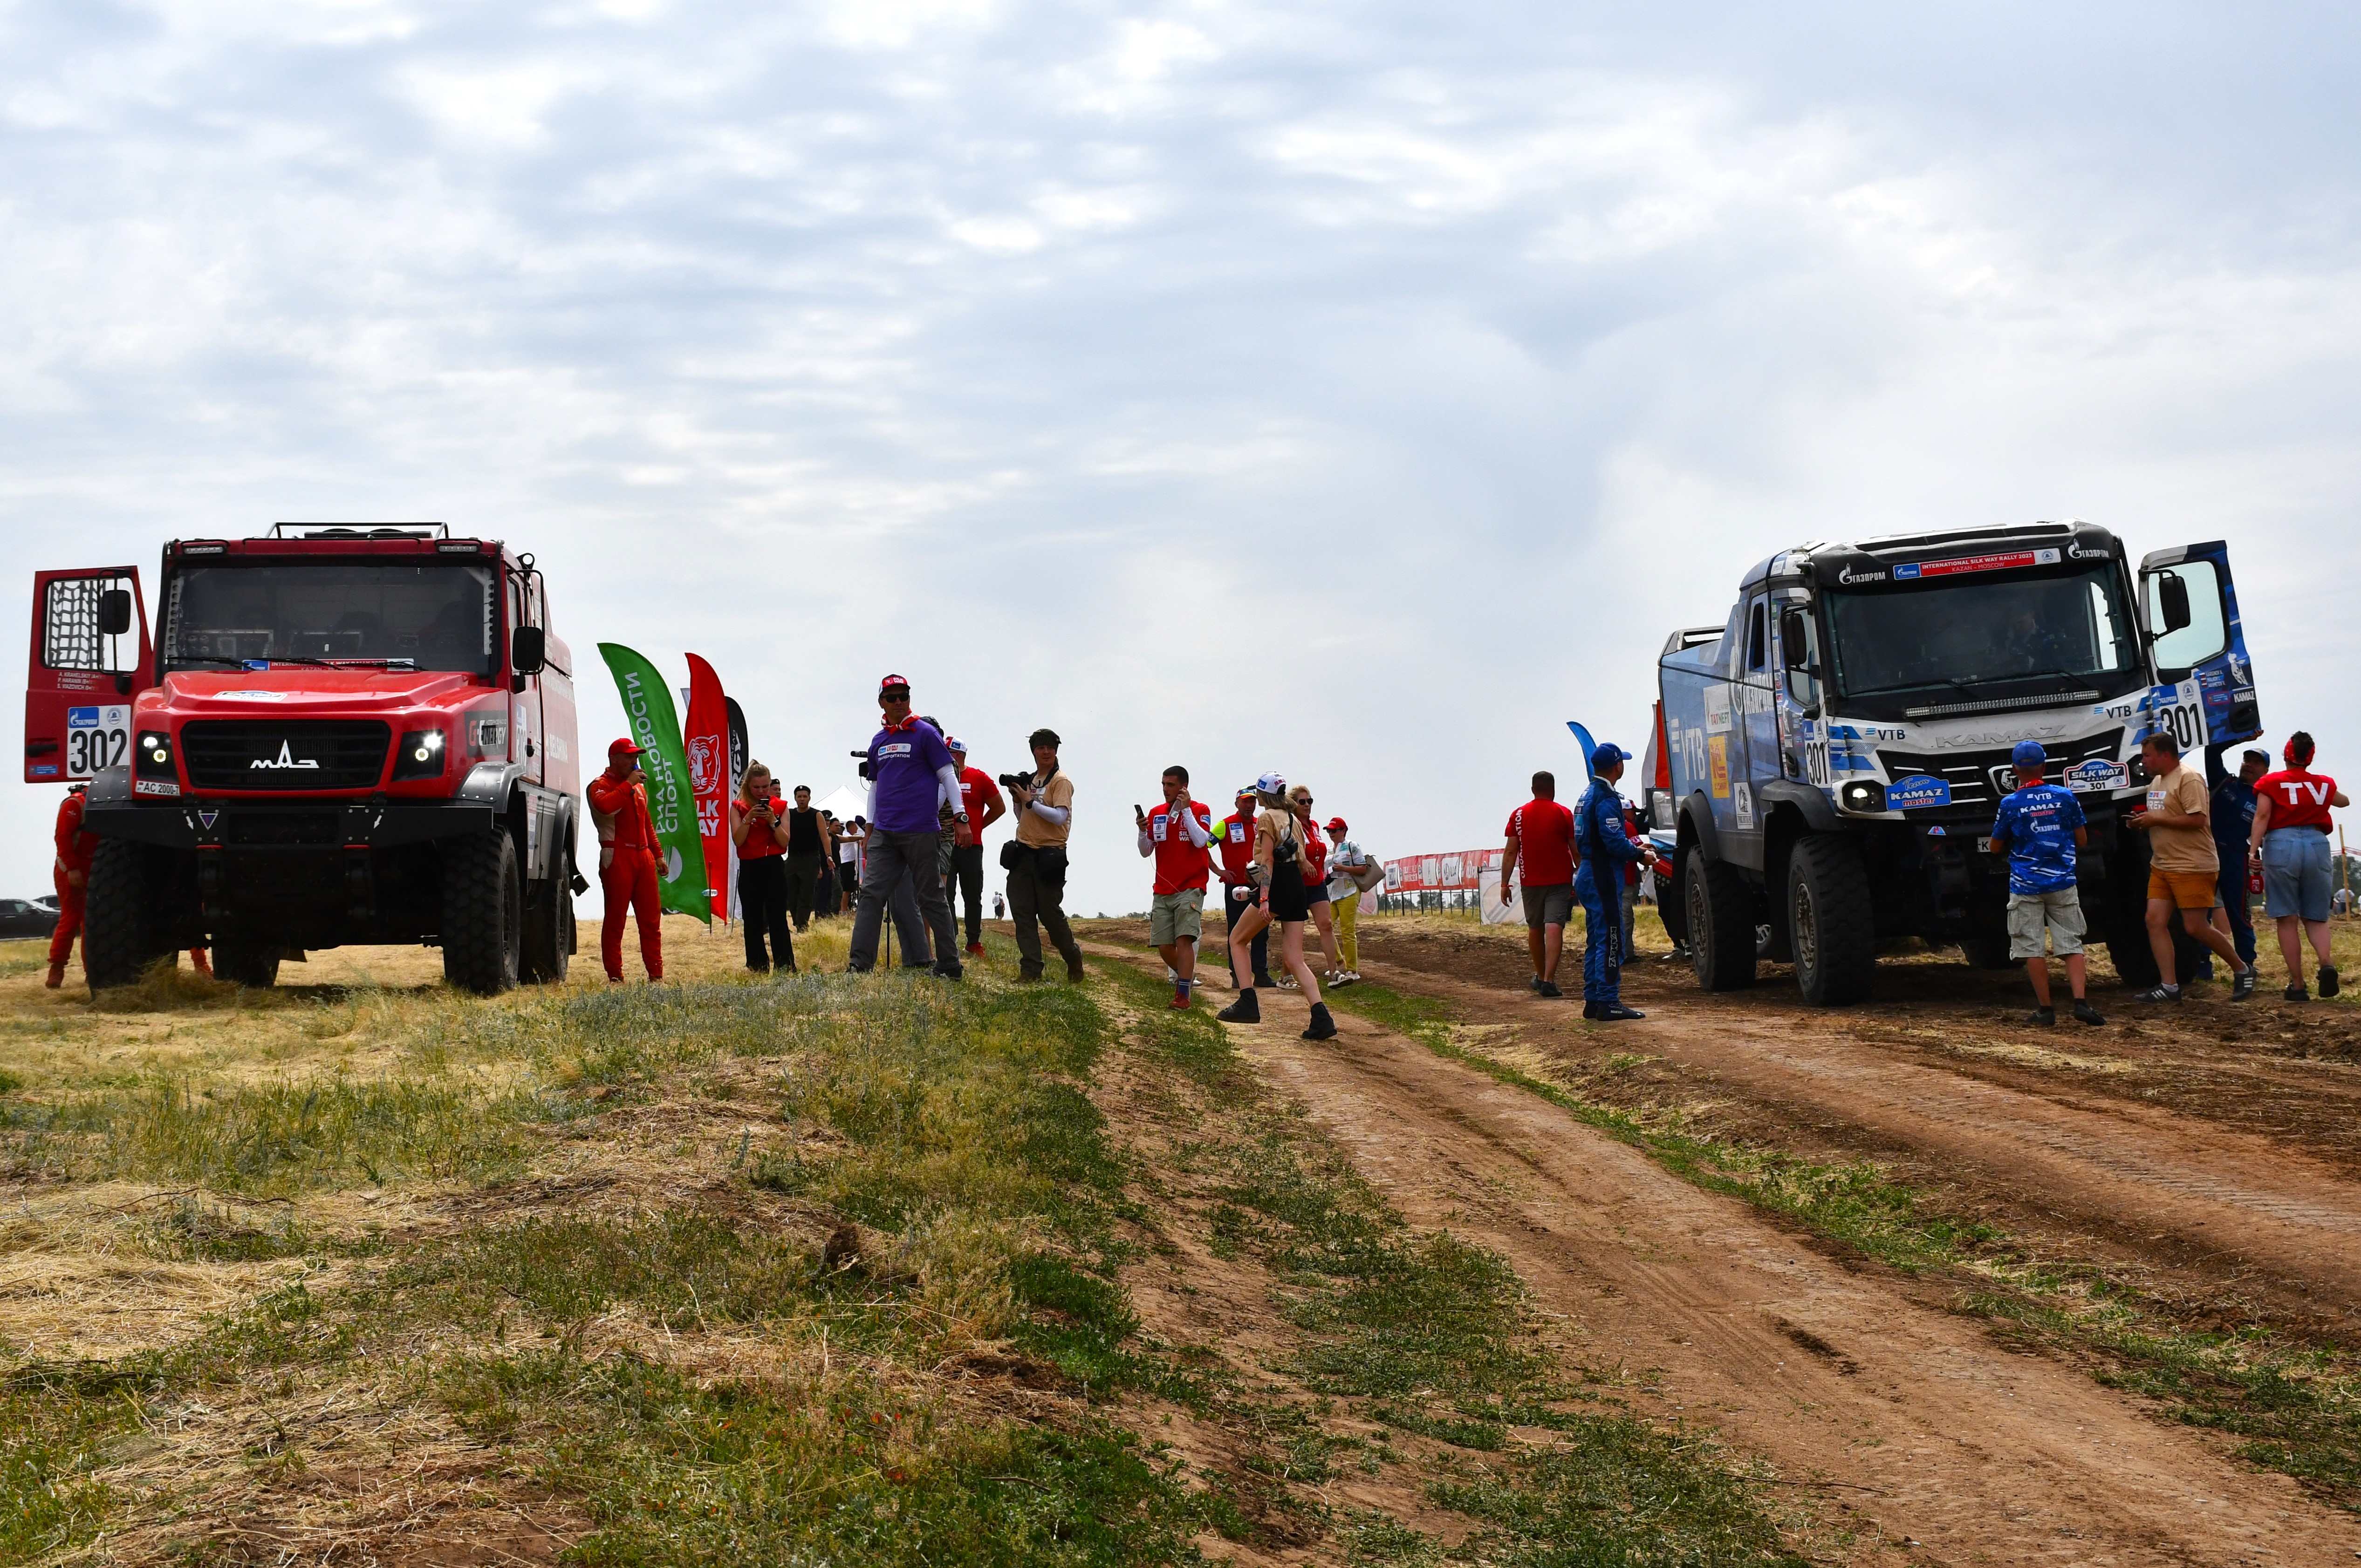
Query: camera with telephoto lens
x=1015, y=781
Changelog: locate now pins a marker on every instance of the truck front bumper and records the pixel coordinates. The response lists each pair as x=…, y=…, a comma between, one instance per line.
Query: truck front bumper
x=216, y=825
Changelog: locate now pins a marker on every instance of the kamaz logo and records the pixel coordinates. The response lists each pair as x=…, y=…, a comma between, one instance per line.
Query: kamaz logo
x=287, y=758
x=1849, y=576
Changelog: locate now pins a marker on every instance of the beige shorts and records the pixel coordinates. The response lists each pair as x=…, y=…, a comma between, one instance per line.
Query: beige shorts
x=2060, y=911
x=1176, y=914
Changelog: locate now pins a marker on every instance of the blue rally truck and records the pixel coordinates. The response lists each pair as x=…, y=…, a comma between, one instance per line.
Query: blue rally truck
x=1828, y=759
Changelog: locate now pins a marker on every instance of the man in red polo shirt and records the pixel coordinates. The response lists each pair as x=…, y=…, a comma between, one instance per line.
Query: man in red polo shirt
x=1234, y=839
x=1176, y=833
x=628, y=857
x=981, y=798
x=1541, y=835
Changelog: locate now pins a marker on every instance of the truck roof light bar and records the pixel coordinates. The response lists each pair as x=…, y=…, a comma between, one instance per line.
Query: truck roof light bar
x=360, y=531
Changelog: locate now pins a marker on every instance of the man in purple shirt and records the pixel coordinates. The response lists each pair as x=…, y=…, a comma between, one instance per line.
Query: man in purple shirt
x=911, y=778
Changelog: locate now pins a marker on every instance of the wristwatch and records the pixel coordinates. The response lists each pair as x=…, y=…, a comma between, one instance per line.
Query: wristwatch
x=958, y=816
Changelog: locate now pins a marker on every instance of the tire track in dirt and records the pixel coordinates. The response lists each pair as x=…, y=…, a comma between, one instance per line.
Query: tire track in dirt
x=2140, y=1168
x=1835, y=1376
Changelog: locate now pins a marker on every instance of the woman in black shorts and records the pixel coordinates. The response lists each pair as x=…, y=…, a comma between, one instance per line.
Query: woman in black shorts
x=1283, y=867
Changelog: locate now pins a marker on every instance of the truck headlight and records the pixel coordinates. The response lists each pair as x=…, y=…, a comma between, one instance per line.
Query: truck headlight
x=152, y=757
x=1862, y=795
x=421, y=755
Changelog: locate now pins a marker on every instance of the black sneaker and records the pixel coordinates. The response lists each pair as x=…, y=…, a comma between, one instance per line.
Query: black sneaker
x=1547, y=988
x=1616, y=1013
x=2242, y=986
x=1323, y=1027
x=2043, y=1016
x=1075, y=971
x=1264, y=982
x=2086, y=1014
x=2328, y=982
x=2159, y=993
x=1536, y=983
x=1589, y=1008
x=1246, y=1009
x=953, y=972
x=2295, y=992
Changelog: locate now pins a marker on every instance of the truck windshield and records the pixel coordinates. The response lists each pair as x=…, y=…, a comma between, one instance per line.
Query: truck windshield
x=429, y=616
x=1983, y=631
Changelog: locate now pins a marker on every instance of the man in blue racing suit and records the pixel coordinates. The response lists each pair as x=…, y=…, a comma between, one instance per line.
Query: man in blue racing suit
x=1606, y=848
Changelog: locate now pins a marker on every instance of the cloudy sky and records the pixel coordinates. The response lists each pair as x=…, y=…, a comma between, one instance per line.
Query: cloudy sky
x=1356, y=390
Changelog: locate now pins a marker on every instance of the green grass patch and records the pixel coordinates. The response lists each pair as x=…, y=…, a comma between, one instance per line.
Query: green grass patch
x=271, y=1139
x=50, y=1441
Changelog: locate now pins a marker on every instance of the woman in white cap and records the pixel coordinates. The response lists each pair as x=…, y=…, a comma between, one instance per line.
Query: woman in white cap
x=1282, y=868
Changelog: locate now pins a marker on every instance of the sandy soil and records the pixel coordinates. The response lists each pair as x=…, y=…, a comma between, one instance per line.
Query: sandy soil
x=1843, y=1376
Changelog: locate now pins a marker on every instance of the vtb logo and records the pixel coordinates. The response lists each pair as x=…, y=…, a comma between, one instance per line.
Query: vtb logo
x=287, y=758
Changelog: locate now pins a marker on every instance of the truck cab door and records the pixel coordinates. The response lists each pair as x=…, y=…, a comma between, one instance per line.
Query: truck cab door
x=2188, y=608
x=1757, y=721
x=90, y=653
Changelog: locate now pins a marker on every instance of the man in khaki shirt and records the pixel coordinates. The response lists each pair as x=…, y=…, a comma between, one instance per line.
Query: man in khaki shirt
x=2182, y=868
x=1037, y=861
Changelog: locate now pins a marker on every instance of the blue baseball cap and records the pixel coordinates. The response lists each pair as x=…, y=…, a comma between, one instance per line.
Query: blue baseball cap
x=1608, y=754
x=2028, y=754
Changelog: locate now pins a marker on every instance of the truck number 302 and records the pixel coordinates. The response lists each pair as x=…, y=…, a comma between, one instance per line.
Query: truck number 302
x=90, y=750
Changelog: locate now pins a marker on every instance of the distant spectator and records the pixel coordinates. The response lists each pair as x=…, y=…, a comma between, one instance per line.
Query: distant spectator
x=1280, y=866
x=77, y=847
x=1351, y=873
x=999, y=907
x=1234, y=839
x=828, y=897
x=1541, y=836
x=759, y=828
x=1315, y=886
x=984, y=807
x=2232, y=824
x=1603, y=851
x=628, y=854
x=1037, y=862
x=2182, y=868
x=1176, y=833
x=807, y=858
x=911, y=776
x=2290, y=835
x=2041, y=829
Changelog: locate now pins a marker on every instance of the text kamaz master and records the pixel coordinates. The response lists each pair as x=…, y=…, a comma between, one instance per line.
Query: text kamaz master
x=1831, y=756
x=339, y=735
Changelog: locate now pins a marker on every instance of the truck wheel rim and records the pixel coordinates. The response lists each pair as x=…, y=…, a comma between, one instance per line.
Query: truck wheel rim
x=1807, y=934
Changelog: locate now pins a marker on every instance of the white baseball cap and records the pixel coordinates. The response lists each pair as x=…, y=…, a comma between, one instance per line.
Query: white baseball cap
x=1271, y=783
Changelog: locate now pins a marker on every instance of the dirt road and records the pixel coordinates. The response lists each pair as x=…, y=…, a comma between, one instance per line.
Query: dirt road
x=1845, y=1378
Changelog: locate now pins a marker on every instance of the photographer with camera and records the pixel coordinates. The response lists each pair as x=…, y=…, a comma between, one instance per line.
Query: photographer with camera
x=910, y=778
x=1035, y=858
x=758, y=827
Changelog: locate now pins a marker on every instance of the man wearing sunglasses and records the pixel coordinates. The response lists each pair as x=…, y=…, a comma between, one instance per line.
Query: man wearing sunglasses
x=911, y=779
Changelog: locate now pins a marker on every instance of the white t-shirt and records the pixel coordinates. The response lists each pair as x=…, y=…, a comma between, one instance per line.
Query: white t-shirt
x=1346, y=861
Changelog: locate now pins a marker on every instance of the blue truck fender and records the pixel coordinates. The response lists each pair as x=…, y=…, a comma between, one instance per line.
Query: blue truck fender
x=1697, y=814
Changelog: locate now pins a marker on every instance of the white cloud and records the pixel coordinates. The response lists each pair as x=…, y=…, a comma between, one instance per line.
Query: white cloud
x=1342, y=389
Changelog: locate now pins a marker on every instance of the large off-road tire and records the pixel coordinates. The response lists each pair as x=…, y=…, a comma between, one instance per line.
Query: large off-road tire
x=125, y=915
x=2124, y=923
x=242, y=961
x=483, y=913
x=1720, y=913
x=549, y=928
x=1986, y=952
x=1830, y=922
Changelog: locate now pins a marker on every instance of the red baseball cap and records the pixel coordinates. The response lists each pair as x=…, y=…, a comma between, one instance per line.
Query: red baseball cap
x=1336, y=825
x=625, y=747
x=890, y=682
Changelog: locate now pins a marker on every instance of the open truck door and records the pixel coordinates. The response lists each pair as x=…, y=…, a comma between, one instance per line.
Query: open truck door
x=2189, y=607
x=90, y=653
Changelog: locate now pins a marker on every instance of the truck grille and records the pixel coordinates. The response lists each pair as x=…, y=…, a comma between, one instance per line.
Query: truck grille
x=281, y=827
x=269, y=754
x=1972, y=774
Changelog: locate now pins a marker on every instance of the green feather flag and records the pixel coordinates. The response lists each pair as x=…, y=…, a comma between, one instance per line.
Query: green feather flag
x=655, y=726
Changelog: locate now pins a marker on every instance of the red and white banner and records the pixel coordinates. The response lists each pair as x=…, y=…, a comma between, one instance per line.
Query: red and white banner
x=705, y=738
x=1457, y=870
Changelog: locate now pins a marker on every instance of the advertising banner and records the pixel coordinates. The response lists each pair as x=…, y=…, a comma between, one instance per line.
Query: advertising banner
x=648, y=709
x=705, y=740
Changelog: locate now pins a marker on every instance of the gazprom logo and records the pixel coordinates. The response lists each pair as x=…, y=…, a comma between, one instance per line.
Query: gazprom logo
x=1849, y=575
x=2094, y=553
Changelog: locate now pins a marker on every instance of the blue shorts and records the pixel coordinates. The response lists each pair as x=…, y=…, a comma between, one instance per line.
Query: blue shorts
x=2297, y=878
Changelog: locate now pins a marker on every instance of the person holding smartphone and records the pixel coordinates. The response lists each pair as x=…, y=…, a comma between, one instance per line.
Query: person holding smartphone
x=759, y=827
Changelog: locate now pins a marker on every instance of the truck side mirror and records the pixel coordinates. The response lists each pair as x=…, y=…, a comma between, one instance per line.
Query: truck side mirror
x=528, y=650
x=1796, y=640
x=114, y=612
x=2172, y=597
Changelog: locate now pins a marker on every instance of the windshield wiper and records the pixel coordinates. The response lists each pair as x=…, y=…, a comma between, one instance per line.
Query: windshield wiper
x=1913, y=686
x=175, y=660
x=332, y=664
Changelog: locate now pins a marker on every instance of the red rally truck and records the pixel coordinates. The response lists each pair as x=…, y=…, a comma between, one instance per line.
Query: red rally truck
x=336, y=735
